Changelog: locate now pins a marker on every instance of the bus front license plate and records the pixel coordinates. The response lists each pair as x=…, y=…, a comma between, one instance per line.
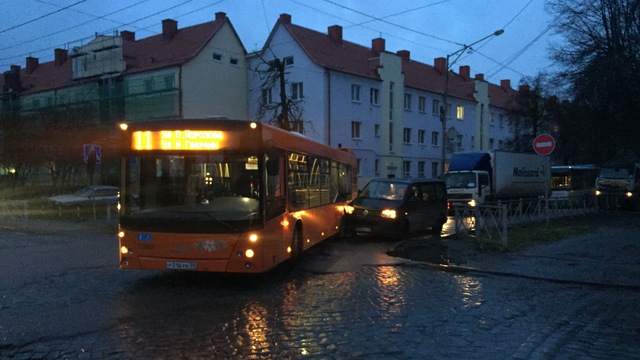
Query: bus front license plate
x=179, y=265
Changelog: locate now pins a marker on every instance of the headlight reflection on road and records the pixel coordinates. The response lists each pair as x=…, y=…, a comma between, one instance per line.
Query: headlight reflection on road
x=470, y=291
x=257, y=327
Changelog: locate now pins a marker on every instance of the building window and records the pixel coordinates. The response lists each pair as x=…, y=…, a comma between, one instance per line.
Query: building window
x=355, y=129
x=217, y=57
x=391, y=87
x=374, y=96
x=422, y=104
x=377, y=167
x=406, y=135
x=266, y=96
x=434, y=169
x=406, y=168
x=355, y=93
x=407, y=101
x=297, y=91
x=148, y=85
x=421, y=135
x=448, y=110
x=434, y=138
x=459, y=141
x=169, y=82
x=233, y=61
x=288, y=60
x=490, y=144
x=376, y=130
x=435, y=107
x=460, y=112
x=421, y=169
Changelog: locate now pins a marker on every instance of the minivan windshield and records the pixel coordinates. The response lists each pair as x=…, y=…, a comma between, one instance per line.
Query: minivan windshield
x=386, y=190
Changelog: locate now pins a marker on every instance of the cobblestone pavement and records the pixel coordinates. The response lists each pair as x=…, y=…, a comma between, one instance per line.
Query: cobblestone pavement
x=62, y=297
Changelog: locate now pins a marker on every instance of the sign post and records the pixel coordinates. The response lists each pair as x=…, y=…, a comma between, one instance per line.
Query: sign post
x=544, y=144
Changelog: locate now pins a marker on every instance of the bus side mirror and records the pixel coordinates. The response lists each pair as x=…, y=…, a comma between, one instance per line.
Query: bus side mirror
x=273, y=167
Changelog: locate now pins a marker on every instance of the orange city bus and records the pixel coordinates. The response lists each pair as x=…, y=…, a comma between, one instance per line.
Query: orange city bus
x=227, y=195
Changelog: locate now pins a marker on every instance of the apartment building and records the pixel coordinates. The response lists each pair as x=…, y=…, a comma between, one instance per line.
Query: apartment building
x=384, y=105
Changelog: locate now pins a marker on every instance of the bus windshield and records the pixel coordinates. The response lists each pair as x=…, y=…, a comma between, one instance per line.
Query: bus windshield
x=216, y=191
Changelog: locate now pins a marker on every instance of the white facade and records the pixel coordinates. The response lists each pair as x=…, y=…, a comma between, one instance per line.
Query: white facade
x=395, y=130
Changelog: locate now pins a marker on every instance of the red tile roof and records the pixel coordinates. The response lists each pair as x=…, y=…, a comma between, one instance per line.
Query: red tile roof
x=147, y=54
x=347, y=57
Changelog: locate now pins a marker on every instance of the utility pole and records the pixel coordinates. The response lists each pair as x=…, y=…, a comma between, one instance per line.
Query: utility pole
x=445, y=107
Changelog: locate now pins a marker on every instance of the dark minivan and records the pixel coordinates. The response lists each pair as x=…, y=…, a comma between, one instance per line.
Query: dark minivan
x=397, y=207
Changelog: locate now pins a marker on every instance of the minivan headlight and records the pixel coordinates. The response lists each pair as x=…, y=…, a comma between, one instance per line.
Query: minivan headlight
x=388, y=213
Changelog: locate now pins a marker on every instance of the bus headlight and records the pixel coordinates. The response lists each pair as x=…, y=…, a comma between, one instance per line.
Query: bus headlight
x=472, y=203
x=388, y=213
x=629, y=194
x=249, y=253
x=124, y=250
x=598, y=192
x=349, y=209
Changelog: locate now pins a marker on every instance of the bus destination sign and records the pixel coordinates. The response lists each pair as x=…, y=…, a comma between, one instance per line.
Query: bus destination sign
x=186, y=140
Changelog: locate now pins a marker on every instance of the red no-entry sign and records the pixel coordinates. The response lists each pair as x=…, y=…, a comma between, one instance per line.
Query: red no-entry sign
x=544, y=144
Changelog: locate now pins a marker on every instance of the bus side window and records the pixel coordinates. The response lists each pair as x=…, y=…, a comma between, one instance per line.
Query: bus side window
x=275, y=202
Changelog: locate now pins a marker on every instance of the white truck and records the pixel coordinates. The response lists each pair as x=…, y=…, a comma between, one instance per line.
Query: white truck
x=476, y=178
x=618, y=184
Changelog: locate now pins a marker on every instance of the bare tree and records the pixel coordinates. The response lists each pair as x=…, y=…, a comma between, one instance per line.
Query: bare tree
x=530, y=114
x=286, y=113
x=601, y=66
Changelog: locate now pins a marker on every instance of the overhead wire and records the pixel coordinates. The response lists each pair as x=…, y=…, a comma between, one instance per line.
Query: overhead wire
x=112, y=29
x=41, y=17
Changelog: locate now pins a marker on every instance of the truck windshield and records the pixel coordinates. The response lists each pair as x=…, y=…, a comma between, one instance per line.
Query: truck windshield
x=616, y=173
x=462, y=180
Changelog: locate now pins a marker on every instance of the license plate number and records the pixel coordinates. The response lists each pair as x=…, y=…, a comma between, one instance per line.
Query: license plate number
x=180, y=265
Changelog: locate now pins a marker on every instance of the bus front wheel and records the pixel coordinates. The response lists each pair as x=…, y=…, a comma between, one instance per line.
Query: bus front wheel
x=296, y=243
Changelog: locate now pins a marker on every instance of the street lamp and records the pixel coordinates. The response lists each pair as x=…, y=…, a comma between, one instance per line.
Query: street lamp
x=444, y=107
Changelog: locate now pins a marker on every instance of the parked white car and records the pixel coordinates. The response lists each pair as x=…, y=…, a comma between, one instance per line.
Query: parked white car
x=88, y=195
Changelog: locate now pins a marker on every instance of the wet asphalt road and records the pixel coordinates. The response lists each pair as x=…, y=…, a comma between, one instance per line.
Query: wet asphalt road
x=63, y=297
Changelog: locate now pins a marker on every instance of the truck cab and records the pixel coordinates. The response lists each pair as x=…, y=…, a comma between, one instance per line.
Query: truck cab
x=467, y=187
x=618, y=185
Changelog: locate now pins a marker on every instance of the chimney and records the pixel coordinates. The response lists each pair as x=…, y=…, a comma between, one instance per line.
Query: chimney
x=169, y=28
x=505, y=84
x=285, y=18
x=465, y=72
x=128, y=35
x=221, y=15
x=32, y=64
x=405, y=54
x=60, y=56
x=480, y=77
x=440, y=64
x=335, y=33
x=12, y=80
x=377, y=45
